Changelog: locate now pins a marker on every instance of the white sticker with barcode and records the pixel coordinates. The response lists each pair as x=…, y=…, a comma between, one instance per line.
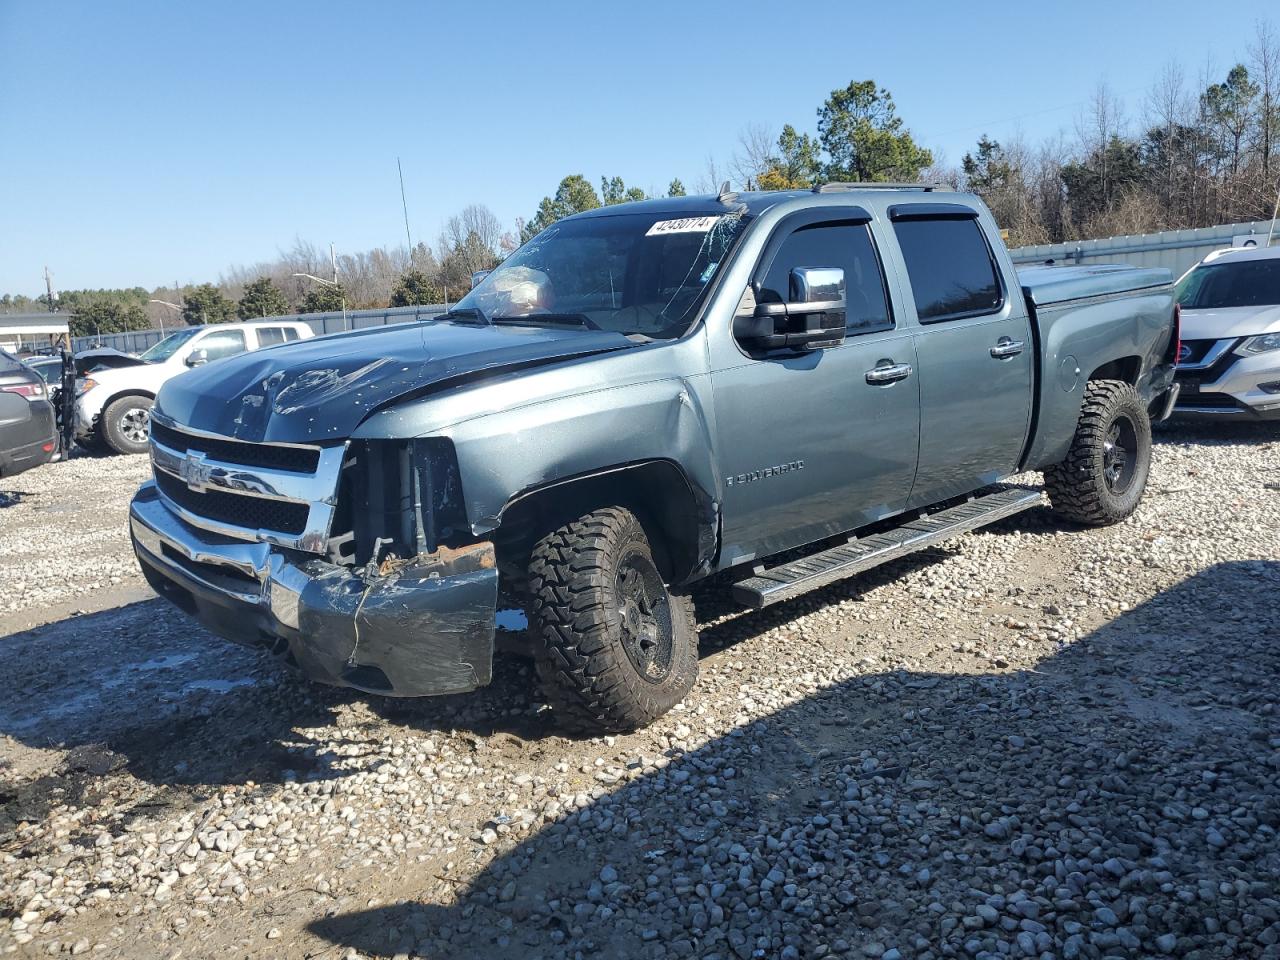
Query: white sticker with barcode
x=685, y=225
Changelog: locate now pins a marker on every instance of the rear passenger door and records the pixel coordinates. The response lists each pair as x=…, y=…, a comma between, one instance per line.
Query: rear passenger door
x=813, y=444
x=973, y=347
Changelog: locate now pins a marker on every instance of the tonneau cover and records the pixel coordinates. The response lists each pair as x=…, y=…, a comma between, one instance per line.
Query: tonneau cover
x=1044, y=284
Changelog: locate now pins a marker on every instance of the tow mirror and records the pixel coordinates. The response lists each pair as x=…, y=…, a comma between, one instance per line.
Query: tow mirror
x=197, y=358
x=813, y=318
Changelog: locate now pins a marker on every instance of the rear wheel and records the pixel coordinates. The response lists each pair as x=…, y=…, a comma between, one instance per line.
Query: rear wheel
x=616, y=648
x=1103, y=477
x=126, y=424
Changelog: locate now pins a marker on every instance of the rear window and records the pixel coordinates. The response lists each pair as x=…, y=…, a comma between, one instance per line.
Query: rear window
x=290, y=334
x=1244, y=283
x=270, y=336
x=950, y=267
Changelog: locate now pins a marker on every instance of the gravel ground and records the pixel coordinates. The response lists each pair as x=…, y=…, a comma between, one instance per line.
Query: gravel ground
x=1033, y=742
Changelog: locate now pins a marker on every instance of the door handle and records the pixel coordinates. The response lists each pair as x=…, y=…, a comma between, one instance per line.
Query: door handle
x=889, y=373
x=1006, y=347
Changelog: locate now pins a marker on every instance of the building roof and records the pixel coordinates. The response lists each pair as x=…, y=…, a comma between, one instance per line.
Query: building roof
x=32, y=324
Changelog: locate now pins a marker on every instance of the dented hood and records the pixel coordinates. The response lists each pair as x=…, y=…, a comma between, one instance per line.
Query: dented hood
x=320, y=390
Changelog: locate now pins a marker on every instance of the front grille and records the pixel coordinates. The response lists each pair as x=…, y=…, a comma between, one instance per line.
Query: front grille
x=1193, y=351
x=272, y=456
x=1216, y=401
x=253, y=513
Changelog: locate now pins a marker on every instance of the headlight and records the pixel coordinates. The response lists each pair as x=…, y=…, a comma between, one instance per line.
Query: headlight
x=85, y=385
x=1259, y=344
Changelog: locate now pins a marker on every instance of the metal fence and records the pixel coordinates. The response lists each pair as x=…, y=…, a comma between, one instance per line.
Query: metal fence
x=321, y=323
x=1175, y=250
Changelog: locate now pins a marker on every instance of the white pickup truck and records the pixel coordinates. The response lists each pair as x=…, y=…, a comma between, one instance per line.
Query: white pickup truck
x=113, y=400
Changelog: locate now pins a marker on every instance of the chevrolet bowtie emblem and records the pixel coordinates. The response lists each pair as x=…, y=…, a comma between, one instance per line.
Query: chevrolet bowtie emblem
x=195, y=472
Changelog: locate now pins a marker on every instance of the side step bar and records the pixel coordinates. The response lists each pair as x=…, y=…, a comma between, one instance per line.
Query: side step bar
x=775, y=584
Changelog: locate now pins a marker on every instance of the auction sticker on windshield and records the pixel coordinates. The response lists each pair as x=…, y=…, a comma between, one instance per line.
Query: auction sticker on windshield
x=684, y=225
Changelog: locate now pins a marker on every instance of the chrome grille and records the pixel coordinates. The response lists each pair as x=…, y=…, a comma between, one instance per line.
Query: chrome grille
x=274, y=493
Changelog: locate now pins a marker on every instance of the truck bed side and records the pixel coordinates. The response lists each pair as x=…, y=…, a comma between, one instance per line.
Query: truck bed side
x=1092, y=323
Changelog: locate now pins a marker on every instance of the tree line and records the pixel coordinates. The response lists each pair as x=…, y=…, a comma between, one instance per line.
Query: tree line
x=1197, y=153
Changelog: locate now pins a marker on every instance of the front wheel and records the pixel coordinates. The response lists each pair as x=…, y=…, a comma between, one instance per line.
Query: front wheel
x=1105, y=472
x=126, y=424
x=617, y=649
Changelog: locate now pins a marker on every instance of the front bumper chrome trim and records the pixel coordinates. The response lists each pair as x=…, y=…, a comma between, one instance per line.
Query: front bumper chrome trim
x=419, y=628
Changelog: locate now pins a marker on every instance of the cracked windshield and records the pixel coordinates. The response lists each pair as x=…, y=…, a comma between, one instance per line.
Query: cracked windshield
x=638, y=274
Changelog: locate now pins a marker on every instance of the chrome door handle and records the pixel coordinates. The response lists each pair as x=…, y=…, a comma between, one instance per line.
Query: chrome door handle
x=1006, y=348
x=889, y=373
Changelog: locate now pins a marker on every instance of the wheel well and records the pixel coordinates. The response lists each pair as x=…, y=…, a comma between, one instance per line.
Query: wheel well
x=1122, y=368
x=656, y=491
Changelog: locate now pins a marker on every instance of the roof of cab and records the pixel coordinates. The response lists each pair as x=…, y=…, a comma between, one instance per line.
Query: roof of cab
x=755, y=202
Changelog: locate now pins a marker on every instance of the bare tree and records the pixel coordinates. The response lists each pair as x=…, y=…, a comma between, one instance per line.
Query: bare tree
x=1264, y=65
x=755, y=154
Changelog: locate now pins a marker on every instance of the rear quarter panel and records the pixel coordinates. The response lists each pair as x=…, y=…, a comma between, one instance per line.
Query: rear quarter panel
x=1079, y=337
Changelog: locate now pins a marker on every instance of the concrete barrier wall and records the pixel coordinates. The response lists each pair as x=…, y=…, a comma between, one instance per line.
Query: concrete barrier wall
x=1175, y=250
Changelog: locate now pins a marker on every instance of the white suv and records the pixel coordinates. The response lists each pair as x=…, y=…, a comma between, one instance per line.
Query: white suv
x=113, y=403
x=1229, y=365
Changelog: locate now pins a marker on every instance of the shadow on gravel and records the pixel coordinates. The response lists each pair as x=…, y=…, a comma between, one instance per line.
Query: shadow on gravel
x=1120, y=799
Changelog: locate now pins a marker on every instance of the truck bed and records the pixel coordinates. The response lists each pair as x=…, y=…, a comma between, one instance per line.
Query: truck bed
x=1075, y=310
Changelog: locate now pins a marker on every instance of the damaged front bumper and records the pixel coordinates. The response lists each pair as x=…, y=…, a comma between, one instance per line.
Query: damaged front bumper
x=423, y=628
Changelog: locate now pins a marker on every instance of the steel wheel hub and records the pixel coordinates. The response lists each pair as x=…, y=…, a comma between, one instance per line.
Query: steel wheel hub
x=134, y=425
x=1119, y=455
x=644, y=616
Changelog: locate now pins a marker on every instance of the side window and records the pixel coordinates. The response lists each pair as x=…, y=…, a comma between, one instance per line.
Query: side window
x=950, y=267
x=270, y=336
x=846, y=245
x=290, y=334
x=223, y=343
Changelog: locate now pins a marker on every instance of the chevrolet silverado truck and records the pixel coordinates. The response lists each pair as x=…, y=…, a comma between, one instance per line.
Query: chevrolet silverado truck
x=114, y=396
x=780, y=388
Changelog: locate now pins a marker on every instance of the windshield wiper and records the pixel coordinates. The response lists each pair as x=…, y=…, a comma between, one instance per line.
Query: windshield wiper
x=465, y=314
x=536, y=319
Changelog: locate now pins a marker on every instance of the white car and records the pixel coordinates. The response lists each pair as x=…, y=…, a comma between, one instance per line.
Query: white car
x=113, y=403
x=1229, y=364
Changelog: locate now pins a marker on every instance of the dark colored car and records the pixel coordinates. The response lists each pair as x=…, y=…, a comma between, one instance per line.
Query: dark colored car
x=28, y=428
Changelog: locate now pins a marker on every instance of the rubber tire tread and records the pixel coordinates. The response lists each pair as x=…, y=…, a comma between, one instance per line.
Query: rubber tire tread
x=109, y=424
x=584, y=670
x=1076, y=487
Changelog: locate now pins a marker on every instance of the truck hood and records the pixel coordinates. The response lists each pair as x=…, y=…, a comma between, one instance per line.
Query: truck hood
x=320, y=390
x=1229, y=322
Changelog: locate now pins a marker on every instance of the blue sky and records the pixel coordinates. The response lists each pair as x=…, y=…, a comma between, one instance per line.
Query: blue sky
x=150, y=142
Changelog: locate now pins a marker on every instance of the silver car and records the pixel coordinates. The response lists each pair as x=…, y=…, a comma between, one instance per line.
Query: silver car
x=1229, y=363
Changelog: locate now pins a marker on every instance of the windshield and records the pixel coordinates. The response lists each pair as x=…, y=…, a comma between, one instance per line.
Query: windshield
x=637, y=274
x=167, y=347
x=1244, y=283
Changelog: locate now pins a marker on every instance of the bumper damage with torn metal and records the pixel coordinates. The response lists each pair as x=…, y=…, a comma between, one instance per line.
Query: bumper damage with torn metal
x=421, y=628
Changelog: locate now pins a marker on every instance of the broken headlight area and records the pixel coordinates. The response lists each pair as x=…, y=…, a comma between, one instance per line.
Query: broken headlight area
x=397, y=499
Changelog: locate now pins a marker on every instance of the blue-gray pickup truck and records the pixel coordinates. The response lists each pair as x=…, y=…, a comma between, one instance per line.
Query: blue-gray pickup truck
x=783, y=389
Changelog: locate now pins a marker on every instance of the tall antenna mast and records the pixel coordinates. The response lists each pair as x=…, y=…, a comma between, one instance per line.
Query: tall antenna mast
x=405, y=207
x=48, y=286
x=1270, y=230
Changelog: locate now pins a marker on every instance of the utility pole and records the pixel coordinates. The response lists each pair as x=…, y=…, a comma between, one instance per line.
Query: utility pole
x=333, y=261
x=48, y=286
x=405, y=206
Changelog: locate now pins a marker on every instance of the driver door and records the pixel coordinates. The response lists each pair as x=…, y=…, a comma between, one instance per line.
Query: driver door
x=816, y=443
